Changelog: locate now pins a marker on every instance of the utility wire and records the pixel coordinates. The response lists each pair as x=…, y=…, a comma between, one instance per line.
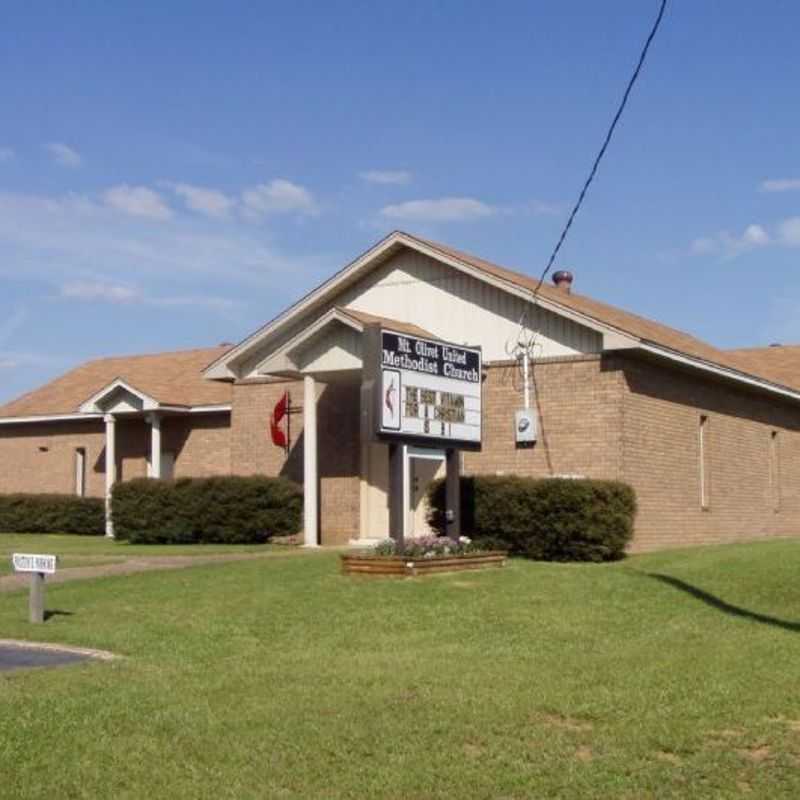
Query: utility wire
x=602, y=152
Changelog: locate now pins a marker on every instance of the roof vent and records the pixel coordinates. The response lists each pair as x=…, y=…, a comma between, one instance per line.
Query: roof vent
x=563, y=280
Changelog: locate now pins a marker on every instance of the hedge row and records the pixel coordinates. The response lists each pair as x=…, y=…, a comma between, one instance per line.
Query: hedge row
x=225, y=509
x=551, y=520
x=51, y=513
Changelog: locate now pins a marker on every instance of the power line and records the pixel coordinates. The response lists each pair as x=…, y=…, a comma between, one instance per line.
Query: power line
x=602, y=152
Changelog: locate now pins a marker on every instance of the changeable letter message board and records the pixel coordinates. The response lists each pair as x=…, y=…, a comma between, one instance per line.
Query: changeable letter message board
x=429, y=390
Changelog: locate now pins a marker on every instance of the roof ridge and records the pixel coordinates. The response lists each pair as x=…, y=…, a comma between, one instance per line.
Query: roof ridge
x=766, y=348
x=552, y=293
x=155, y=354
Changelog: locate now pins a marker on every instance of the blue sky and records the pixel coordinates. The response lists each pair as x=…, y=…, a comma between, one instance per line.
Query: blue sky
x=174, y=174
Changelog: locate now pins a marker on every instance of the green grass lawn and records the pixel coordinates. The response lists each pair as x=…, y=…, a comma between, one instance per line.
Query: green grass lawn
x=67, y=545
x=81, y=551
x=664, y=676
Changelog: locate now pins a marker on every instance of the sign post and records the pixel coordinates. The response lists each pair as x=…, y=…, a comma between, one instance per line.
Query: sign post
x=37, y=566
x=424, y=392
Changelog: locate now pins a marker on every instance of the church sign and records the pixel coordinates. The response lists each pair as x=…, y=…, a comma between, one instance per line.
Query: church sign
x=429, y=390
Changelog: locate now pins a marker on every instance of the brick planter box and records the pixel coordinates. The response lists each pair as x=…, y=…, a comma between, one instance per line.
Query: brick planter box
x=406, y=565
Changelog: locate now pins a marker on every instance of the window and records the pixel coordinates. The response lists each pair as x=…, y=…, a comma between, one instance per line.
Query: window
x=80, y=472
x=774, y=471
x=702, y=464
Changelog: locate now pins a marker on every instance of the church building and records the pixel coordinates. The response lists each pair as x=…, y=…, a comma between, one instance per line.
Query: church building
x=709, y=439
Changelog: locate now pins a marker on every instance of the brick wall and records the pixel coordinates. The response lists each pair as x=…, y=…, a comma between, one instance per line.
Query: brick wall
x=619, y=417
x=252, y=450
x=747, y=499
x=338, y=429
x=338, y=406
x=614, y=416
x=41, y=457
x=201, y=444
x=579, y=401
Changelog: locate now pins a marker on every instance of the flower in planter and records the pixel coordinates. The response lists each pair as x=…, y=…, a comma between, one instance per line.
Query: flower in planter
x=426, y=547
x=386, y=548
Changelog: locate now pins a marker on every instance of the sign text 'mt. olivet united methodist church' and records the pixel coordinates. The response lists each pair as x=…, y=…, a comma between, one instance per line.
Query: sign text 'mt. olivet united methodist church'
x=430, y=389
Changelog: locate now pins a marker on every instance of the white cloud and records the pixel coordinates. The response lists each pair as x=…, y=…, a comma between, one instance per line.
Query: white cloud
x=102, y=292
x=785, y=233
x=396, y=177
x=729, y=245
x=138, y=201
x=755, y=236
x=210, y=202
x=704, y=246
x=95, y=290
x=63, y=154
x=780, y=185
x=277, y=197
x=6, y=154
x=444, y=209
x=67, y=238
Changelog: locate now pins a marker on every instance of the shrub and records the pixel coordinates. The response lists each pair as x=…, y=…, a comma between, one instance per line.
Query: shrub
x=52, y=513
x=551, y=519
x=227, y=509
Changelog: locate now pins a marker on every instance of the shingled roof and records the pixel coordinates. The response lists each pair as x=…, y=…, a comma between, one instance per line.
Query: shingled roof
x=170, y=378
x=392, y=324
x=781, y=363
x=775, y=369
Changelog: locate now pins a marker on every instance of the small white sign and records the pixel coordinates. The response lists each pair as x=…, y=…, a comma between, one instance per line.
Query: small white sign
x=29, y=562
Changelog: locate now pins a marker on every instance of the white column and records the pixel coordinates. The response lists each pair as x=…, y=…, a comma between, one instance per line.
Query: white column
x=155, y=445
x=111, y=469
x=310, y=473
x=407, y=490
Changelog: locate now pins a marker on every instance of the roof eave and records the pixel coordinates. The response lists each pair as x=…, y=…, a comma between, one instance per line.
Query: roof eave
x=719, y=370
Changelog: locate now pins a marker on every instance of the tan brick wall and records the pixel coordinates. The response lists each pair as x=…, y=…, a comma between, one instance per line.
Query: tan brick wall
x=622, y=418
x=661, y=457
x=26, y=467
x=338, y=406
x=610, y=417
x=201, y=445
x=579, y=401
x=339, y=462
x=252, y=450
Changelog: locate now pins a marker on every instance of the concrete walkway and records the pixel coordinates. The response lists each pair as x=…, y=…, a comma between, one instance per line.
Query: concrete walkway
x=134, y=564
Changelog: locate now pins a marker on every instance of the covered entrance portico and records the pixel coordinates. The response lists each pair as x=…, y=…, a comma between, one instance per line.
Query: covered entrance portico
x=120, y=404
x=345, y=472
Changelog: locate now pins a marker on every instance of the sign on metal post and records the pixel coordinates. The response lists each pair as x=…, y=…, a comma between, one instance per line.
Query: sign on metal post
x=426, y=392
x=27, y=562
x=37, y=566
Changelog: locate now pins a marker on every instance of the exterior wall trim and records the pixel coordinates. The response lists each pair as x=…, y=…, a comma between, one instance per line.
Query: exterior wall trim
x=32, y=420
x=707, y=366
x=92, y=404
